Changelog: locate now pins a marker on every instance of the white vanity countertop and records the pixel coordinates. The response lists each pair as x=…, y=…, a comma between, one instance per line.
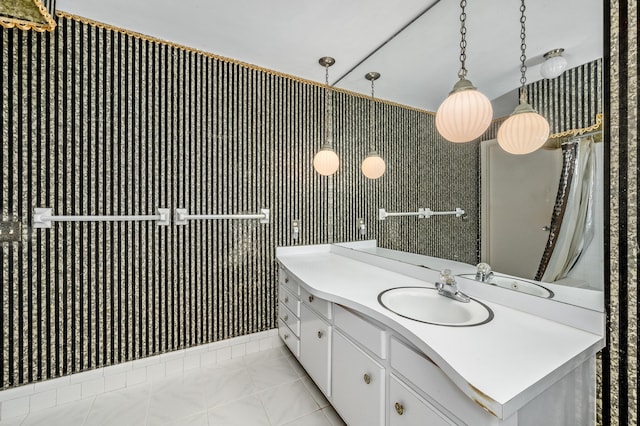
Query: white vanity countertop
x=508, y=361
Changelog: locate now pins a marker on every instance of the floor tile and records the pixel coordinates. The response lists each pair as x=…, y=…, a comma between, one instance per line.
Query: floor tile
x=243, y=412
x=317, y=418
x=271, y=372
x=200, y=419
x=227, y=386
x=175, y=399
x=316, y=393
x=333, y=417
x=253, y=358
x=268, y=388
x=71, y=414
x=124, y=407
x=16, y=421
x=287, y=402
x=296, y=366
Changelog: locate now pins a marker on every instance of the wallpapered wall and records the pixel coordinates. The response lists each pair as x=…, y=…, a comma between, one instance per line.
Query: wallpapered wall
x=620, y=359
x=100, y=121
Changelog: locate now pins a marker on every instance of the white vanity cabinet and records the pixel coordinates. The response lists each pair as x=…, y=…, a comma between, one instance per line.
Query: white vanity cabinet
x=315, y=347
x=358, y=383
x=289, y=312
x=377, y=368
x=407, y=408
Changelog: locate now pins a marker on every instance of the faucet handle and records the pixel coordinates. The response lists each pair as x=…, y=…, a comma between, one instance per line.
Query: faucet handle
x=446, y=277
x=483, y=268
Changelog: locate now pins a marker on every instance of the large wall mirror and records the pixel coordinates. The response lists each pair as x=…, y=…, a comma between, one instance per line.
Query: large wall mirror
x=541, y=214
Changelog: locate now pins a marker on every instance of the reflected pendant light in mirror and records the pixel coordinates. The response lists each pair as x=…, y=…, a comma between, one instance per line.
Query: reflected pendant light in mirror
x=466, y=113
x=326, y=160
x=525, y=130
x=373, y=166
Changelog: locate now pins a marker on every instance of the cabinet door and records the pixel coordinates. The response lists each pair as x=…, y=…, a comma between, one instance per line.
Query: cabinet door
x=358, y=384
x=315, y=348
x=408, y=409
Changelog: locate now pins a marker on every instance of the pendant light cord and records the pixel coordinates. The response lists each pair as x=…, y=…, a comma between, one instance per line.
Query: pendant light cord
x=372, y=123
x=463, y=39
x=523, y=55
x=328, y=123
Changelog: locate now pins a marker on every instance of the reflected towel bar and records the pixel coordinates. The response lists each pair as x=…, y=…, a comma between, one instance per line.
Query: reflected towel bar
x=182, y=216
x=421, y=213
x=42, y=218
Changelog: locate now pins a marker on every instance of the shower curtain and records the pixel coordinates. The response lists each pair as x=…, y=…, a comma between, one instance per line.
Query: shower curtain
x=571, y=227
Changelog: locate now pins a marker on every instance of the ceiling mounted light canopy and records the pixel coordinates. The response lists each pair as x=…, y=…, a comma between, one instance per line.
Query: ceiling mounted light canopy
x=326, y=161
x=373, y=166
x=466, y=113
x=554, y=64
x=525, y=130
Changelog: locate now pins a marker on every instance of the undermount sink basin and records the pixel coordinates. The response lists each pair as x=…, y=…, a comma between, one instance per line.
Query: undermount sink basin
x=426, y=305
x=516, y=284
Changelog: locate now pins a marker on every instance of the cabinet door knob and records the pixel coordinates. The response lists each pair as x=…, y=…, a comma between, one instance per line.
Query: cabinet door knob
x=367, y=378
x=286, y=280
x=310, y=298
x=286, y=336
x=399, y=408
x=286, y=318
x=320, y=334
x=286, y=299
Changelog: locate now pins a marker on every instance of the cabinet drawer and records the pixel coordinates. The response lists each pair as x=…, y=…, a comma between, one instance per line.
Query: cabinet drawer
x=358, y=384
x=367, y=334
x=428, y=378
x=321, y=306
x=288, y=282
x=289, y=339
x=406, y=408
x=288, y=317
x=290, y=301
x=315, y=348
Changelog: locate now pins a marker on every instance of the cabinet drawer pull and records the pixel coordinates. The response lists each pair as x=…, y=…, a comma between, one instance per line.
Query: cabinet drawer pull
x=286, y=299
x=286, y=280
x=310, y=298
x=286, y=336
x=286, y=318
x=367, y=378
x=399, y=408
x=320, y=334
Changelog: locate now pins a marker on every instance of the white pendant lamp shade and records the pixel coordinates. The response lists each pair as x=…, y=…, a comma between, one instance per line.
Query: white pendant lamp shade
x=465, y=115
x=554, y=64
x=524, y=131
x=326, y=161
x=373, y=166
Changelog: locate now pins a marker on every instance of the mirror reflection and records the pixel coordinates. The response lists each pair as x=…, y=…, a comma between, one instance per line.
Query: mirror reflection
x=541, y=232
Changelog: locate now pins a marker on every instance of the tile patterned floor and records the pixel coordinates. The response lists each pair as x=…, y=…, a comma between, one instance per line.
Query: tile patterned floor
x=268, y=388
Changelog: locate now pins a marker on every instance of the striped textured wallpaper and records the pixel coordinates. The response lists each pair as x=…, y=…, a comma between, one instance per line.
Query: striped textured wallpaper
x=620, y=358
x=100, y=121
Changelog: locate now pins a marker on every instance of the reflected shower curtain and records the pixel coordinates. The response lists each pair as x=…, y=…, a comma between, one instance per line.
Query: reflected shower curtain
x=572, y=219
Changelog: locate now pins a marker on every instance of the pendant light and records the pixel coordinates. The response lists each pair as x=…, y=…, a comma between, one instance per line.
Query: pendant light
x=525, y=130
x=326, y=161
x=373, y=166
x=466, y=113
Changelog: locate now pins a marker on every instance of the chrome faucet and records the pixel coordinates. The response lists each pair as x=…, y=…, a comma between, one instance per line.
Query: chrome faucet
x=447, y=287
x=484, y=272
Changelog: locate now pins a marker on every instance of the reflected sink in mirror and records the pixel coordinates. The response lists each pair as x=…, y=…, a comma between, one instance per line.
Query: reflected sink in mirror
x=426, y=305
x=516, y=284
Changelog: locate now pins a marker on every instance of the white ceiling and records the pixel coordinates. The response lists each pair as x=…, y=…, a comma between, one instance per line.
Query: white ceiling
x=419, y=65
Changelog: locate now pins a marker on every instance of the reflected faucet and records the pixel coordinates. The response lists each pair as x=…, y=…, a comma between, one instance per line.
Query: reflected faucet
x=447, y=287
x=484, y=272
